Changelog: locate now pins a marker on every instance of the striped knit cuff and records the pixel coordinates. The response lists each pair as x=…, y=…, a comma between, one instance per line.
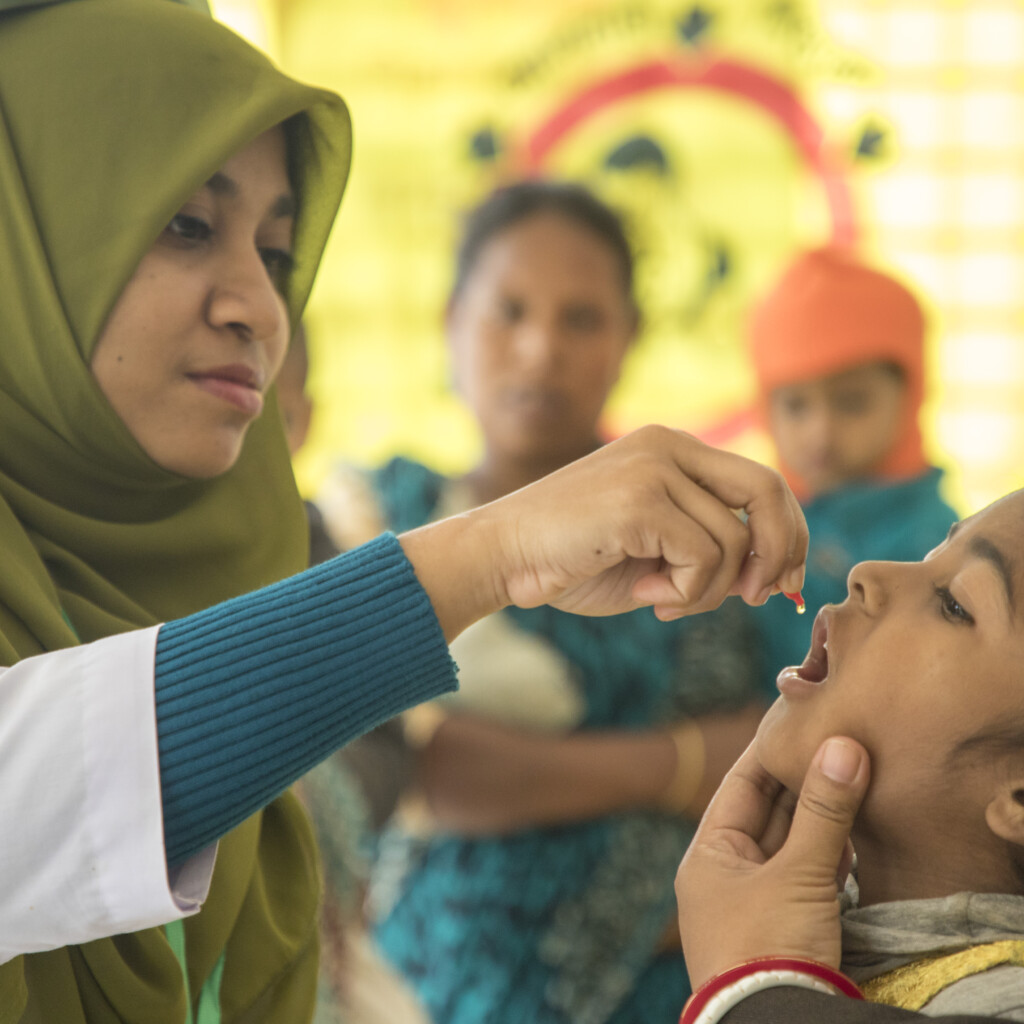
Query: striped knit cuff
x=252, y=693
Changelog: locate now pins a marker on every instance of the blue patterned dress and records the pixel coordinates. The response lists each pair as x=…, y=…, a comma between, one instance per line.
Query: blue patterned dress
x=560, y=925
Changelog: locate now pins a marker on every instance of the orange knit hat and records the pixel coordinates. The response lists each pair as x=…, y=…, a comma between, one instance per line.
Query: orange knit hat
x=828, y=313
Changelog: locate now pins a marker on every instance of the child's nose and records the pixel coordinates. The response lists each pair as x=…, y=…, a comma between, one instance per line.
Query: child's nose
x=821, y=426
x=872, y=584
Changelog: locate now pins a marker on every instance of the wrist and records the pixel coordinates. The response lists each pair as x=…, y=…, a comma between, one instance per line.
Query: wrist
x=717, y=996
x=455, y=561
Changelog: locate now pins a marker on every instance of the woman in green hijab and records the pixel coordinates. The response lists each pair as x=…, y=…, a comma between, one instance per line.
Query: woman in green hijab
x=167, y=194
x=116, y=113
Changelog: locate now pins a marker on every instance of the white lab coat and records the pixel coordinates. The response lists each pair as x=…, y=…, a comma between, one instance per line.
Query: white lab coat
x=81, y=829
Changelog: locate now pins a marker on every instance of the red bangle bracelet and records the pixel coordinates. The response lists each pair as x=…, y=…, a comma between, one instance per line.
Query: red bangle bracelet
x=811, y=969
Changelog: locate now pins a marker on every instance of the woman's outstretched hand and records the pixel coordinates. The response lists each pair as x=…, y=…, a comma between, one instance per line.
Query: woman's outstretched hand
x=760, y=877
x=646, y=520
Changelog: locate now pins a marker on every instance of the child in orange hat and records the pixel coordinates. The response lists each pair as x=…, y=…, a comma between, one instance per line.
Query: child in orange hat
x=838, y=350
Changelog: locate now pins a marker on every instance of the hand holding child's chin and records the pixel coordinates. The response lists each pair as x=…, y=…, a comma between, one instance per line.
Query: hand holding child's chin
x=759, y=878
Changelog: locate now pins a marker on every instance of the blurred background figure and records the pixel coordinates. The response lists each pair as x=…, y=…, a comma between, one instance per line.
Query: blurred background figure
x=733, y=134
x=838, y=348
x=528, y=875
x=354, y=792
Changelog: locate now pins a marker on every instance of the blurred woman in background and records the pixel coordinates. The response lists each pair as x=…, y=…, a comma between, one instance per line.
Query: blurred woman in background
x=528, y=874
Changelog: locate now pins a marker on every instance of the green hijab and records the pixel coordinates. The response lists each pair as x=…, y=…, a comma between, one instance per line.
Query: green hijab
x=113, y=113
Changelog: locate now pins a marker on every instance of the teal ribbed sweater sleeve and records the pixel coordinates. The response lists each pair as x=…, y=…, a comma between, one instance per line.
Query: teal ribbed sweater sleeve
x=252, y=693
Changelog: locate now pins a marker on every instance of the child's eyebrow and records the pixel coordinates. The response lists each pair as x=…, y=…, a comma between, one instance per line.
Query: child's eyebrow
x=983, y=548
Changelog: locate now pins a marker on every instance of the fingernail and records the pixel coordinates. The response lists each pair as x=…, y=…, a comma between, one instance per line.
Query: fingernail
x=840, y=761
x=763, y=596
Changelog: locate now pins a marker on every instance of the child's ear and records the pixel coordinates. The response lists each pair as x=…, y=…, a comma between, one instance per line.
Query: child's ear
x=1005, y=813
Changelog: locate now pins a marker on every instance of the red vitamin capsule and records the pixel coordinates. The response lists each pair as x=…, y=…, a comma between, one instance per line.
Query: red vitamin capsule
x=798, y=600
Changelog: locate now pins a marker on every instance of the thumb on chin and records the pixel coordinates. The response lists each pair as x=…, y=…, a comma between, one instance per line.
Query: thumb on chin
x=830, y=798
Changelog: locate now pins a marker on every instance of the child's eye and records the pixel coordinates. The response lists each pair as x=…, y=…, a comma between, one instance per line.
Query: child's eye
x=188, y=228
x=952, y=609
x=279, y=263
x=792, y=405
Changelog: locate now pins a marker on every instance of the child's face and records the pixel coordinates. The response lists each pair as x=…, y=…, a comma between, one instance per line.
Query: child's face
x=920, y=657
x=201, y=328
x=838, y=428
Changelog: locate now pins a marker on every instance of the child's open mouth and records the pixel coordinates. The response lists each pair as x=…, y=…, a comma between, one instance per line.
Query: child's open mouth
x=802, y=679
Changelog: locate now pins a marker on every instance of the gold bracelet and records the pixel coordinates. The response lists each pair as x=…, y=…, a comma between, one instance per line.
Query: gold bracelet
x=688, y=741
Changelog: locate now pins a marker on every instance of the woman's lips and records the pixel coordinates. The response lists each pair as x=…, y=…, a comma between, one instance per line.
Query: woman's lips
x=237, y=385
x=802, y=680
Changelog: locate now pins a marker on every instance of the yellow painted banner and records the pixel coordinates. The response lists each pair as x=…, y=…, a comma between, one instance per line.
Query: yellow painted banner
x=727, y=133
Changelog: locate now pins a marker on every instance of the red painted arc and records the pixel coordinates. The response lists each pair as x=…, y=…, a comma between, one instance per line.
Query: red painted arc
x=743, y=81
x=757, y=87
